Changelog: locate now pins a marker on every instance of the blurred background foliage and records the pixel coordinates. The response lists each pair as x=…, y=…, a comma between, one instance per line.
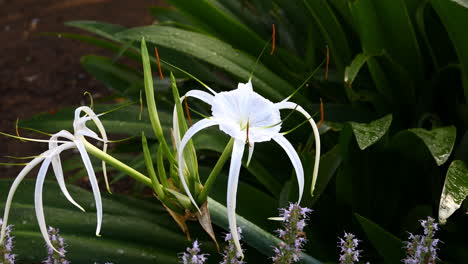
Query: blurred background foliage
x=395, y=139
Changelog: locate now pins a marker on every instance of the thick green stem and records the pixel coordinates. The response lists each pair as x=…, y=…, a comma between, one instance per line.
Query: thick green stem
x=215, y=172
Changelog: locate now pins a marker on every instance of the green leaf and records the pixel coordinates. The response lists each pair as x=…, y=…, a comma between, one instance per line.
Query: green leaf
x=353, y=69
x=332, y=31
x=388, y=246
x=463, y=3
x=103, y=29
x=455, y=190
x=439, y=141
x=368, y=134
x=454, y=16
x=214, y=52
x=116, y=76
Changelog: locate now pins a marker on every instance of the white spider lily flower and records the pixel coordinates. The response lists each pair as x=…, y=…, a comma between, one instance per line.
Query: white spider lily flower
x=248, y=118
x=52, y=156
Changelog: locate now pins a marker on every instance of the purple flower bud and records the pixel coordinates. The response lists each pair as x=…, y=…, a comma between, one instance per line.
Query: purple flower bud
x=230, y=253
x=294, y=220
x=192, y=256
x=59, y=243
x=6, y=248
x=349, y=252
x=422, y=249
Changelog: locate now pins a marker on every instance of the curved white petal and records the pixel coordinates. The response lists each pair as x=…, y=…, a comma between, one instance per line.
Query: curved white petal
x=201, y=95
x=296, y=161
x=57, y=165
x=87, y=132
x=234, y=169
x=204, y=123
x=294, y=106
x=92, y=179
x=251, y=150
x=38, y=205
x=33, y=163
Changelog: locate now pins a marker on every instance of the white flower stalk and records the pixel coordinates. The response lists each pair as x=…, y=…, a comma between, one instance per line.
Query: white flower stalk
x=248, y=118
x=58, y=143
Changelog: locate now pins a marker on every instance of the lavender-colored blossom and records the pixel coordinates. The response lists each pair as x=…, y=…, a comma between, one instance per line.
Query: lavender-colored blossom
x=192, y=255
x=230, y=253
x=422, y=249
x=6, y=248
x=59, y=243
x=294, y=221
x=349, y=252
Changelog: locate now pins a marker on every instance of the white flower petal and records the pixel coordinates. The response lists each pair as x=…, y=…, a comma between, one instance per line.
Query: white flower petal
x=251, y=150
x=294, y=106
x=38, y=205
x=234, y=170
x=201, y=95
x=296, y=161
x=57, y=165
x=204, y=123
x=175, y=128
x=33, y=163
x=92, y=179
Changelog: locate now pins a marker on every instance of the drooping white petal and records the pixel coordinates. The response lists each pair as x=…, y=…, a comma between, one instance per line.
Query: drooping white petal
x=57, y=165
x=33, y=163
x=202, y=124
x=294, y=106
x=92, y=179
x=89, y=133
x=233, y=180
x=201, y=95
x=296, y=161
x=38, y=205
x=175, y=128
x=251, y=150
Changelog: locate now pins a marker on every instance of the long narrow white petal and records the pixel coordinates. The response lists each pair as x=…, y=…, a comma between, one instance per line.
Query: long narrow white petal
x=92, y=179
x=234, y=169
x=204, y=123
x=294, y=106
x=102, y=131
x=38, y=205
x=57, y=166
x=33, y=163
x=251, y=150
x=175, y=128
x=296, y=161
x=201, y=95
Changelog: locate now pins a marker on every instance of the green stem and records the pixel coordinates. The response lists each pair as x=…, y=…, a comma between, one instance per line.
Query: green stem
x=215, y=172
x=150, y=167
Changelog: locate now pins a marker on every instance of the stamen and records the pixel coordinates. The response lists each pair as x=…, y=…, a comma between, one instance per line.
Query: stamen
x=273, y=38
x=305, y=81
x=298, y=126
x=188, y=74
x=328, y=62
x=20, y=158
x=247, y=131
x=322, y=114
x=17, y=130
x=13, y=164
x=91, y=105
x=37, y=131
x=141, y=105
x=117, y=108
x=187, y=112
x=161, y=76
x=32, y=139
x=258, y=59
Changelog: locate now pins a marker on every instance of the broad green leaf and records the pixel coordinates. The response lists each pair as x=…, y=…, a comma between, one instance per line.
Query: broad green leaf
x=332, y=31
x=368, y=134
x=388, y=246
x=455, y=190
x=216, y=53
x=454, y=16
x=439, y=141
x=116, y=76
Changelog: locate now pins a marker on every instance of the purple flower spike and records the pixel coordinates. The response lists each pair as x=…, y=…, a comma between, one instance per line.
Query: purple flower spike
x=59, y=243
x=422, y=249
x=292, y=234
x=230, y=254
x=349, y=252
x=192, y=256
x=6, y=248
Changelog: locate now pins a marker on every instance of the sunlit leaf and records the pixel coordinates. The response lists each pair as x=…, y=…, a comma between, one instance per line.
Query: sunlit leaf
x=368, y=134
x=455, y=190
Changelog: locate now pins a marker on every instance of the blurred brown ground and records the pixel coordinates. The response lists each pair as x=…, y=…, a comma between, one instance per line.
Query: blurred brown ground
x=42, y=73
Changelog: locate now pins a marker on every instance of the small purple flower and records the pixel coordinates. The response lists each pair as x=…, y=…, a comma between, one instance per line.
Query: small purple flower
x=422, y=249
x=230, y=253
x=6, y=248
x=59, y=243
x=349, y=252
x=192, y=256
x=292, y=234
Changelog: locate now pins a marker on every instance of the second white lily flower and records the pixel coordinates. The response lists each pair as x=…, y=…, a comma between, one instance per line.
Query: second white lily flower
x=249, y=118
